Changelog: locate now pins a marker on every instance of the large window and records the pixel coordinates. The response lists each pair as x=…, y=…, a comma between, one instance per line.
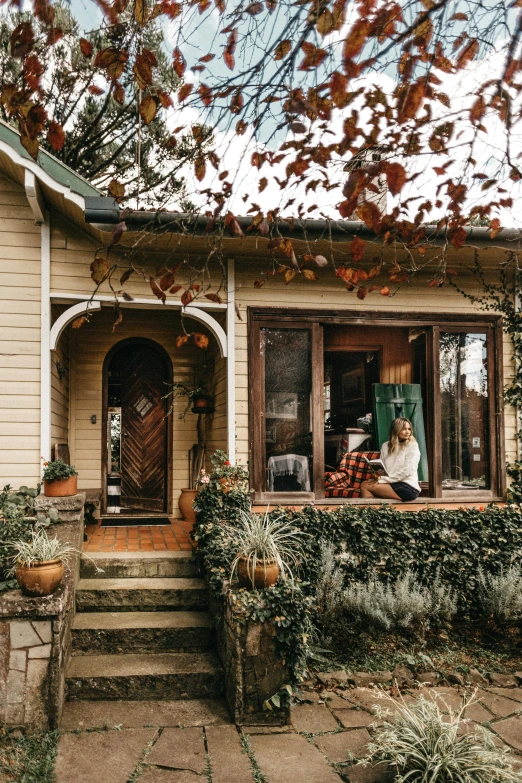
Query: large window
x=317, y=381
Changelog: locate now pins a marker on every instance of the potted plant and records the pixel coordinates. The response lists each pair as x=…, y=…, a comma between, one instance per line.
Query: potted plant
x=199, y=397
x=38, y=564
x=267, y=547
x=59, y=479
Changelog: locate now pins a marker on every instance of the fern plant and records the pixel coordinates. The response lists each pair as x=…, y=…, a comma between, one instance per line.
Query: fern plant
x=400, y=604
x=424, y=744
x=501, y=594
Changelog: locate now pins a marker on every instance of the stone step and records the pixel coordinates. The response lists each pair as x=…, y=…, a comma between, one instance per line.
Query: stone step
x=163, y=676
x=129, y=565
x=120, y=632
x=141, y=595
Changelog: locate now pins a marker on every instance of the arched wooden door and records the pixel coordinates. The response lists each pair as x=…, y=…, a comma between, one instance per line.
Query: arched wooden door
x=137, y=376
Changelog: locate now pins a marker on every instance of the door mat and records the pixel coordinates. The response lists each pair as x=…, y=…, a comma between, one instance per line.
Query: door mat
x=118, y=521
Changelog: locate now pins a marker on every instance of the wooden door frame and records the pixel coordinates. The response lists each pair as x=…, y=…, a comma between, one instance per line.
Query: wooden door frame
x=105, y=410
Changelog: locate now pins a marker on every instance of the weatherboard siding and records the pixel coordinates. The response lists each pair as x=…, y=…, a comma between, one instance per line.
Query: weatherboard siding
x=19, y=339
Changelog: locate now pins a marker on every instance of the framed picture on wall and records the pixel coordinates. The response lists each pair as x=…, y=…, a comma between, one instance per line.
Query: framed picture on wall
x=352, y=385
x=281, y=405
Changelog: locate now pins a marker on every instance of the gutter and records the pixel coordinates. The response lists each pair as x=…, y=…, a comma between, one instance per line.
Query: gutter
x=104, y=213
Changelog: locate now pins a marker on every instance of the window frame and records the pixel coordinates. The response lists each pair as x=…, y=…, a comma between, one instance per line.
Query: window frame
x=315, y=320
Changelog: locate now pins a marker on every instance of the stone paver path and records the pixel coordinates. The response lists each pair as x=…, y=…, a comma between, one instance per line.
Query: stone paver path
x=194, y=741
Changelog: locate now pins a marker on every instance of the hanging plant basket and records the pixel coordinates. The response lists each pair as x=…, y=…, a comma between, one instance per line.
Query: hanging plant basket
x=203, y=404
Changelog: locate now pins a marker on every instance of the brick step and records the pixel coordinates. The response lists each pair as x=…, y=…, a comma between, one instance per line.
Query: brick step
x=139, y=632
x=132, y=565
x=164, y=676
x=141, y=595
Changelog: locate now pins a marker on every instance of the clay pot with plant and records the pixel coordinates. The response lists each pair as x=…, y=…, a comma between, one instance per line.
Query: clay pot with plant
x=267, y=548
x=38, y=564
x=59, y=479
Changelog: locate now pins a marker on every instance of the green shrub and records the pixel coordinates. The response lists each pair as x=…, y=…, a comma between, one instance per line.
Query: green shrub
x=57, y=470
x=404, y=603
x=17, y=519
x=329, y=586
x=424, y=745
x=501, y=594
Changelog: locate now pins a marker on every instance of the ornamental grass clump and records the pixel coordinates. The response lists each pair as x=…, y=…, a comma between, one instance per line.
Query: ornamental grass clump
x=501, y=594
x=40, y=548
x=265, y=539
x=424, y=744
x=400, y=604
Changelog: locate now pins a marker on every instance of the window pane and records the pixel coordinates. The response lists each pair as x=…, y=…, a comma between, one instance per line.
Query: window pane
x=464, y=411
x=288, y=425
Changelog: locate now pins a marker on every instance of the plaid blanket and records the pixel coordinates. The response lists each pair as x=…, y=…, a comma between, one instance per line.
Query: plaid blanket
x=353, y=470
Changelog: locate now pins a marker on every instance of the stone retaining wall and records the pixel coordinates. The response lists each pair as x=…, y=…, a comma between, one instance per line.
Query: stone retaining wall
x=254, y=671
x=35, y=635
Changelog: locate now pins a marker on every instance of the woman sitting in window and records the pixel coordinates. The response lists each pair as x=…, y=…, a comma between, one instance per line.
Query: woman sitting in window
x=401, y=457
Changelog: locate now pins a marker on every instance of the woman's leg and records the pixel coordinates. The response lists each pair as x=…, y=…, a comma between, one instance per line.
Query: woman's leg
x=372, y=489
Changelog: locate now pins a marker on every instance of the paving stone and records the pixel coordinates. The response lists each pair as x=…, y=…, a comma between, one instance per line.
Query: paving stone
x=180, y=749
x=354, y=719
x=478, y=713
x=91, y=757
x=429, y=678
x=446, y=698
x=332, y=678
x=364, y=773
x=283, y=758
x=267, y=730
x=230, y=764
x=367, y=698
x=476, y=677
x=152, y=775
x=502, y=680
x=17, y=660
x=508, y=693
x=455, y=678
x=135, y=714
x=510, y=731
x=43, y=629
x=23, y=634
x=336, y=701
x=343, y=746
x=361, y=679
x=312, y=718
x=403, y=675
x=42, y=651
x=15, y=687
x=498, y=705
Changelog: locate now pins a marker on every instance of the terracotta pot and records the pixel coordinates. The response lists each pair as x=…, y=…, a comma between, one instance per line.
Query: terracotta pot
x=185, y=502
x=265, y=574
x=61, y=488
x=41, y=578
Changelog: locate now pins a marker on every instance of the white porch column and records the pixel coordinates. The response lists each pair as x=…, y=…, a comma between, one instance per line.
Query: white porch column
x=45, y=349
x=231, y=361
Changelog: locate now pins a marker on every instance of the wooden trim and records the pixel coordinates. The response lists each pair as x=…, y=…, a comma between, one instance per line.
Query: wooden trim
x=434, y=396
x=369, y=318
x=318, y=410
x=499, y=423
x=492, y=435
x=169, y=423
x=255, y=420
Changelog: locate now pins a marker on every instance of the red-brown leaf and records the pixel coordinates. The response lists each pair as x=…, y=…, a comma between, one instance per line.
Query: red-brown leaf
x=411, y=101
x=22, y=40
x=94, y=90
x=338, y=85
x=179, y=63
x=214, y=298
x=85, y=47
x=361, y=293
x=395, y=177
x=116, y=189
x=370, y=214
x=356, y=39
x=53, y=35
x=357, y=247
x=201, y=340
x=79, y=322
x=200, y=168
x=156, y=290
x=184, y=92
x=32, y=71
x=310, y=274
x=282, y=49
x=99, y=270
x=175, y=289
x=468, y=53
x=147, y=109
x=457, y=237
x=385, y=291
x=167, y=280
x=313, y=56
x=56, y=135
x=186, y=297
x=181, y=339
x=229, y=60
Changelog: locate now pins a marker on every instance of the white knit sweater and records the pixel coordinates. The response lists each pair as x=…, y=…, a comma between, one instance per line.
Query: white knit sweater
x=402, y=465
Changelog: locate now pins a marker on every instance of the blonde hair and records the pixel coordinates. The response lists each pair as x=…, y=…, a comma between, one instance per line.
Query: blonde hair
x=397, y=426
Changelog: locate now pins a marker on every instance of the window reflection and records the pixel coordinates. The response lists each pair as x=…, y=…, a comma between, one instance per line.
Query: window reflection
x=288, y=386
x=114, y=434
x=464, y=411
